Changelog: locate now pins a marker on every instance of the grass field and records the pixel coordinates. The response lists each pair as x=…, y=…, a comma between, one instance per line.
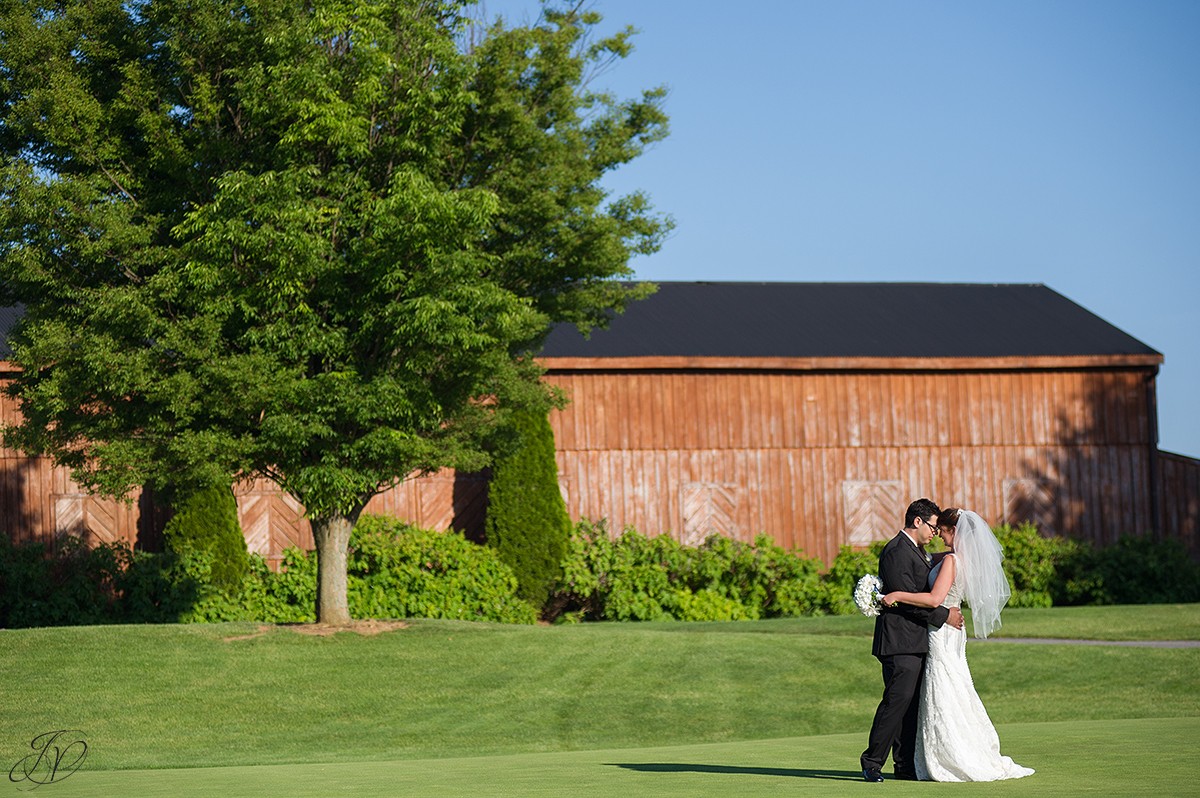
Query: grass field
x=1112, y=758
x=444, y=708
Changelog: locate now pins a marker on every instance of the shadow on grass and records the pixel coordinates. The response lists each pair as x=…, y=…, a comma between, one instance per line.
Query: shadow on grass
x=681, y=767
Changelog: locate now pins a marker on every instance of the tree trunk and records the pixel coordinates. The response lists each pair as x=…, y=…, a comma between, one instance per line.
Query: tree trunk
x=332, y=536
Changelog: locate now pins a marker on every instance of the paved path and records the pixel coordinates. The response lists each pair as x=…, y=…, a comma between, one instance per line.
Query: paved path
x=1064, y=641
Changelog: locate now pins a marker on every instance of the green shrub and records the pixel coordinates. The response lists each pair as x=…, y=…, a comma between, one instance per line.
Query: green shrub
x=708, y=605
x=205, y=534
x=1033, y=563
x=396, y=570
x=199, y=578
x=765, y=578
x=792, y=582
x=24, y=584
x=527, y=521
x=1134, y=571
x=637, y=578
x=76, y=585
x=173, y=587
x=626, y=579
x=288, y=595
x=202, y=592
x=154, y=591
x=203, y=572
x=393, y=571
x=632, y=577
x=837, y=585
x=400, y=571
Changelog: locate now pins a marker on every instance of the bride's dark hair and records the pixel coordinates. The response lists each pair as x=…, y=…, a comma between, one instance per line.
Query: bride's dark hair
x=948, y=518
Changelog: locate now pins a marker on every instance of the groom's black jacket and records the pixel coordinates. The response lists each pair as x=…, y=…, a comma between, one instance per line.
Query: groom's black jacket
x=903, y=629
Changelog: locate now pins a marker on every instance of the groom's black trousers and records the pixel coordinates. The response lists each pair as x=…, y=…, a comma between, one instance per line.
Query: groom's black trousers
x=895, y=725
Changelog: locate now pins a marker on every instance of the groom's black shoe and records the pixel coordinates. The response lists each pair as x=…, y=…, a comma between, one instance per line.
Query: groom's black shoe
x=904, y=775
x=872, y=774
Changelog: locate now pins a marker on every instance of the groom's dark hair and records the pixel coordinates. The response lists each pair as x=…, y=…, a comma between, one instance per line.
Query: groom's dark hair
x=921, y=508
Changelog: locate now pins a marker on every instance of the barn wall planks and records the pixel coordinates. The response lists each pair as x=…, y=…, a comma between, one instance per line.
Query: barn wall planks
x=725, y=410
x=815, y=459
x=798, y=496
x=1179, y=480
x=785, y=451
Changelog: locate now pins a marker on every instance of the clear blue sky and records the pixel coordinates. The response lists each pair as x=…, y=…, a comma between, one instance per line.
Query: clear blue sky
x=1024, y=141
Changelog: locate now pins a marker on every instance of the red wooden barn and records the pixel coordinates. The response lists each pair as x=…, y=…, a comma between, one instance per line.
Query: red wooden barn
x=815, y=412
x=811, y=412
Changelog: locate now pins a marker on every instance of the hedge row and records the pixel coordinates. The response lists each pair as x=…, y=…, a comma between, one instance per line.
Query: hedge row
x=395, y=571
x=398, y=571
x=1056, y=571
x=632, y=577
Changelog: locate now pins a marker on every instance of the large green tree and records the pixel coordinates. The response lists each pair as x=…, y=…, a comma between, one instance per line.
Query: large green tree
x=310, y=241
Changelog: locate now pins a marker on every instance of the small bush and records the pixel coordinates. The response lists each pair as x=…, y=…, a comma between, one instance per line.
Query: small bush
x=395, y=571
x=1133, y=571
x=400, y=571
x=765, y=578
x=627, y=579
x=286, y=596
x=636, y=578
x=837, y=587
x=205, y=535
x=708, y=605
x=76, y=585
x=1033, y=564
x=527, y=521
x=155, y=588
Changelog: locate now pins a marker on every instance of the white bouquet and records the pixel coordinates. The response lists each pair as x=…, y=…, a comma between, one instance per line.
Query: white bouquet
x=868, y=595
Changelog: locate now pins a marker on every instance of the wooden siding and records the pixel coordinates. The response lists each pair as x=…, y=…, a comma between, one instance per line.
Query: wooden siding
x=40, y=502
x=779, y=410
x=793, y=454
x=272, y=520
x=806, y=498
x=1179, y=485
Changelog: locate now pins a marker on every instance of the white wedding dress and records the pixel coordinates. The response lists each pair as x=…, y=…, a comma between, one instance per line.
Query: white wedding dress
x=956, y=740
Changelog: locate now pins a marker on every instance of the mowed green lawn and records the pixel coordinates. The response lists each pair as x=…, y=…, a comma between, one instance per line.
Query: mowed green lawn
x=444, y=708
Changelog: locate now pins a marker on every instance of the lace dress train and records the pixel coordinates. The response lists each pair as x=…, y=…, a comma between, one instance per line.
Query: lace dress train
x=956, y=740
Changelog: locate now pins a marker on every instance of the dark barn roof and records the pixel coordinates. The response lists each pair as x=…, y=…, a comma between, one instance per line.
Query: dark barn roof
x=849, y=320
x=802, y=320
x=8, y=319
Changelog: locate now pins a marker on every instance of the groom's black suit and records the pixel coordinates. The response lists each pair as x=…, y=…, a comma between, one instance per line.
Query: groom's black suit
x=901, y=644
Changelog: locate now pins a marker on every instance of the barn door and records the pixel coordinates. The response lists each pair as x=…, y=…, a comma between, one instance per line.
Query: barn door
x=708, y=509
x=453, y=500
x=1030, y=500
x=83, y=516
x=272, y=521
x=872, y=510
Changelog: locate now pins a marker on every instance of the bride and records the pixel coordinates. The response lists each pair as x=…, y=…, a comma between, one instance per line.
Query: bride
x=956, y=740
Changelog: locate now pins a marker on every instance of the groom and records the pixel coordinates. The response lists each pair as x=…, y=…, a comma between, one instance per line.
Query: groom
x=901, y=643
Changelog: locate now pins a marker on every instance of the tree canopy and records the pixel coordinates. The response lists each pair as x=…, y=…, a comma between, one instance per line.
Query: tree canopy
x=315, y=242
